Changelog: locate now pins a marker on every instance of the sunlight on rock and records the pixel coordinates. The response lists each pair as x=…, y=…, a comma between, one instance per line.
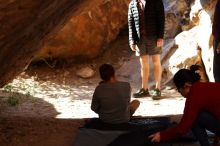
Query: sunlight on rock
x=205, y=29
x=187, y=53
x=195, y=8
x=204, y=35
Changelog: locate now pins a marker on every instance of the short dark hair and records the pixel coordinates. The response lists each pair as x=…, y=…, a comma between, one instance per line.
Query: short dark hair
x=186, y=75
x=106, y=71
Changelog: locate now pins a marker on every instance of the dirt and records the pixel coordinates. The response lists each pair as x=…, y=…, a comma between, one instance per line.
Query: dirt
x=46, y=104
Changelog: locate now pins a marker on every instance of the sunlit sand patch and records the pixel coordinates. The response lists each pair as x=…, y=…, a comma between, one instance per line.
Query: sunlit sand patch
x=73, y=101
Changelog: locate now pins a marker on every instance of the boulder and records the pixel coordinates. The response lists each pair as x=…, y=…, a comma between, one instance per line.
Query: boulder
x=185, y=55
x=99, y=23
x=202, y=15
x=25, y=25
x=85, y=72
x=88, y=32
x=193, y=46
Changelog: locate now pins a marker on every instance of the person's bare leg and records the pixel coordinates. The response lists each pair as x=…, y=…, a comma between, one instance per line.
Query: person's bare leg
x=144, y=70
x=157, y=70
x=133, y=106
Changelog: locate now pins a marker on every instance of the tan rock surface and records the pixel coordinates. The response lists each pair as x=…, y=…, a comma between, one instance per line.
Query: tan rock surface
x=88, y=32
x=194, y=46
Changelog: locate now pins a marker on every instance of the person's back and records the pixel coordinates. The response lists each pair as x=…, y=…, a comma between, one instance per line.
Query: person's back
x=111, y=99
x=206, y=96
x=111, y=102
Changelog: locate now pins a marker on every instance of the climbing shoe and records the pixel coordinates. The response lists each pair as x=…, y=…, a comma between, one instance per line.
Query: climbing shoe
x=141, y=93
x=156, y=94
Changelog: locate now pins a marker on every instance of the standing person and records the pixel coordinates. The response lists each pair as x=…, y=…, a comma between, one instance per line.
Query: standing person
x=216, y=46
x=111, y=99
x=146, y=31
x=201, y=110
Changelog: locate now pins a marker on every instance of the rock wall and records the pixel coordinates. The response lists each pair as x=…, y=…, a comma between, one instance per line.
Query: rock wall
x=28, y=25
x=96, y=25
x=25, y=25
x=194, y=44
x=177, y=12
x=89, y=31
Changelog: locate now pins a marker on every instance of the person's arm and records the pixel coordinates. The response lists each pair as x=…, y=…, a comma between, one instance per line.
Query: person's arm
x=131, y=24
x=189, y=116
x=160, y=19
x=95, y=103
x=191, y=110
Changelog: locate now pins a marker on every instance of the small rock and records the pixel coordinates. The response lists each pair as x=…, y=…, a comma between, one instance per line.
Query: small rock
x=85, y=72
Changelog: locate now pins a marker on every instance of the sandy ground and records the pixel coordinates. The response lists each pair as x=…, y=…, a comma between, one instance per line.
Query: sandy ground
x=45, y=105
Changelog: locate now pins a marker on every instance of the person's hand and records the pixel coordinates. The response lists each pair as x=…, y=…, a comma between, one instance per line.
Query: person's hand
x=133, y=47
x=155, y=137
x=160, y=42
x=218, y=48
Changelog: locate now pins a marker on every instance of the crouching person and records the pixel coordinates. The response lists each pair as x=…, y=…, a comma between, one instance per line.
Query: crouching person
x=201, y=110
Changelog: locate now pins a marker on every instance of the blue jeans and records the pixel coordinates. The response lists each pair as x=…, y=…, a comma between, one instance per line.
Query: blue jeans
x=205, y=121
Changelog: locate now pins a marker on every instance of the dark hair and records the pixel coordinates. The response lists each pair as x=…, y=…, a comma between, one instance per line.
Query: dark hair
x=106, y=71
x=186, y=75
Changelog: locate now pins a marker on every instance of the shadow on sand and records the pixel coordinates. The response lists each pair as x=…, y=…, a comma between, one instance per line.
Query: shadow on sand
x=30, y=121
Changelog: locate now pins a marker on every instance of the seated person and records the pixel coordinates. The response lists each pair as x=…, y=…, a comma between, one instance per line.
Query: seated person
x=201, y=110
x=111, y=99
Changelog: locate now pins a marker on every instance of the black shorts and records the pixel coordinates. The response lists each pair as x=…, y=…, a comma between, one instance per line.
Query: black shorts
x=148, y=47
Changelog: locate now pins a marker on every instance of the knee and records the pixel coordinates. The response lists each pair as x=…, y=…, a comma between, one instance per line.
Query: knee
x=144, y=65
x=135, y=103
x=157, y=63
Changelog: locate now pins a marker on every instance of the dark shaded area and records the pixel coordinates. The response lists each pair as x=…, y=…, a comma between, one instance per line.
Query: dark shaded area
x=136, y=132
x=25, y=105
x=25, y=25
x=38, y=132
x=29, y=121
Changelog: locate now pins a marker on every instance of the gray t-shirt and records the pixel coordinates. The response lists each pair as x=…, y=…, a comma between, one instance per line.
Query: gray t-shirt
x=111, y=102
